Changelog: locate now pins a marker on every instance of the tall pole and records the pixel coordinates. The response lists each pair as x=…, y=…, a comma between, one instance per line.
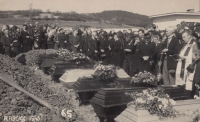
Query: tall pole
x=31, y=11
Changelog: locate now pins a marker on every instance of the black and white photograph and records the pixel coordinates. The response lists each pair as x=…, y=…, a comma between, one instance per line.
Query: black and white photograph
x=99, y=60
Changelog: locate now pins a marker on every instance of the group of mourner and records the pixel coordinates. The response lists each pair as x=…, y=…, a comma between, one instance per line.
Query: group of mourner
x=173, y=52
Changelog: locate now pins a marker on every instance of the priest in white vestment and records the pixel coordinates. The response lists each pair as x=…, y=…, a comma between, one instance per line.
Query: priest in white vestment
x=184, y=60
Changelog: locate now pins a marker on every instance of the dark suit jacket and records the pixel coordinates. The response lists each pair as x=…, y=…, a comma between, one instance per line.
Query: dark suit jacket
x=6, y=41
x=24, y=35
x=74, y=40
x=173, y=48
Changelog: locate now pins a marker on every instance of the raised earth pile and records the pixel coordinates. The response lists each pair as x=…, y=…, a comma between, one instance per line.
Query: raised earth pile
x=15, y=103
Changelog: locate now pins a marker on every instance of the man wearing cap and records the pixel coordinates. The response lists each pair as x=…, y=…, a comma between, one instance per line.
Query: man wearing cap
x=6, y=41
x=170, y=48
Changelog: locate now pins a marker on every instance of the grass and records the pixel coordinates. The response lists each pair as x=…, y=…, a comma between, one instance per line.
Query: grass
x=92, y=24
x=85, y=112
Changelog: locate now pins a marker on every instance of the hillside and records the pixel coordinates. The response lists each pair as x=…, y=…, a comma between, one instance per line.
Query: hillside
x=124, y=17
x=117, y=17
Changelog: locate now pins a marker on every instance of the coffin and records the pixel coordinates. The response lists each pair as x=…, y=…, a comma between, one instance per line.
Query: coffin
x=108, y=103
x=59, y=68
x=175, y=92
x=70, y=77
x=142, y=115
x=86, y=88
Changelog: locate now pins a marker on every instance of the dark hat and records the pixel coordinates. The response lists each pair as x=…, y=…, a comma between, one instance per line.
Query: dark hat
x=196, y=24
x=153, y=26
x=110, y=35
x=120, y=34
x=104, y=33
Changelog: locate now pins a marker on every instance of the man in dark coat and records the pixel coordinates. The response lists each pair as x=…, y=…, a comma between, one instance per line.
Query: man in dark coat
x=130, y=48
x=6, y=41
x=26, y=42
x=50, y=38
x=108, y=49
x=61, y=39
x=170, y=47
x=43, y=38
x=74, y=41
x=96, y=39
x=146, y=51
x=66, y=42
x=83, y=42
x=15, y=47
x=103, y=46
x=90, y=52
x=118, y=50
x=1, y=45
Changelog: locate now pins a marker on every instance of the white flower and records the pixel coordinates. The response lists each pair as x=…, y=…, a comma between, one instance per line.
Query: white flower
x=167, y=95
x=165, y=106
x=145, y=92
x=150, y=97
x=172, y=101
x=165, y=101
x=160, y=106
x=140, y=100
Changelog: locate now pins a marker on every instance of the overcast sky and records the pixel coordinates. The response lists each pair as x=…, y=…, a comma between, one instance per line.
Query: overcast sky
x=145, y=7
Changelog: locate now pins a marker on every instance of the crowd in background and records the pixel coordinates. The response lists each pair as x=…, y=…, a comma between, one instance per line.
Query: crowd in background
x=149, y=50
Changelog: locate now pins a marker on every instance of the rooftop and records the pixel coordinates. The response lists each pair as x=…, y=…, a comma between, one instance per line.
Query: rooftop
x=175, y=13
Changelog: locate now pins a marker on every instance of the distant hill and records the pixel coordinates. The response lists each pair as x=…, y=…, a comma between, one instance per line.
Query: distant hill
x=124, y=17
x=116, y=17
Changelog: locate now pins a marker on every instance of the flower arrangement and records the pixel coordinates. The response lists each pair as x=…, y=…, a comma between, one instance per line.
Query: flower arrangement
x=155, y=101
x=105, y=72
x=65, y=55
x=196, y=118
x=144, y=79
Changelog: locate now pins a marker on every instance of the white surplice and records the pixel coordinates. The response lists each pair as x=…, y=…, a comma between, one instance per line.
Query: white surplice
x=187, y=77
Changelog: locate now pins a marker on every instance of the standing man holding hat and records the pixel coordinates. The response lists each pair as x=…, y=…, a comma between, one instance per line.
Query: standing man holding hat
x=170, y=47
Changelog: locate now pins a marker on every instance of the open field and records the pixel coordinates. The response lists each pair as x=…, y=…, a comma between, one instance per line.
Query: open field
x=92, y=24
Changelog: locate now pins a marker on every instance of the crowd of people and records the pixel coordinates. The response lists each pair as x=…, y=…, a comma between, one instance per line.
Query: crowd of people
x=172, y=53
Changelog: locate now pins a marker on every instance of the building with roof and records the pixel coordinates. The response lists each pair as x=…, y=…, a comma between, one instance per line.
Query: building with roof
x=172, y=19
